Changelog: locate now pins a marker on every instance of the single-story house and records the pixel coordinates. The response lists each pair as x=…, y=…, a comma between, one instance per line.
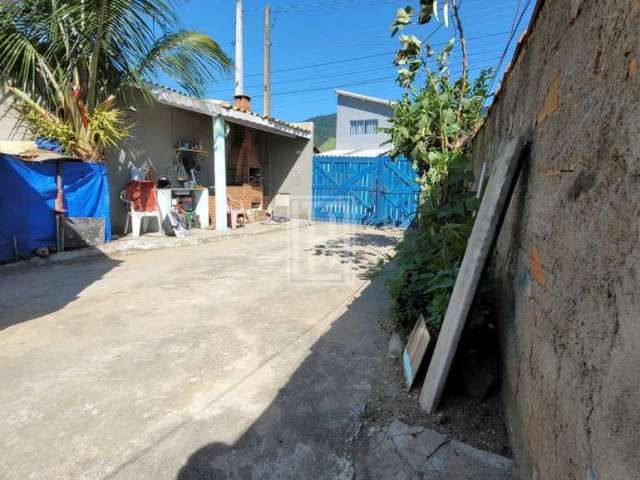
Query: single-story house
x=259, y=161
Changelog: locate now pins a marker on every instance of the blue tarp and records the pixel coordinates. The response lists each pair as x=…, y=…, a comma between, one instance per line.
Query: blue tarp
x=27, y=198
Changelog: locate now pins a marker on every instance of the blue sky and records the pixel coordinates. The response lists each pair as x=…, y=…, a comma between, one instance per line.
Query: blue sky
x=318, y=46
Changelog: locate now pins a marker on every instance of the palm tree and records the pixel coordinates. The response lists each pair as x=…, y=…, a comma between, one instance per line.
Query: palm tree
x=70, y=63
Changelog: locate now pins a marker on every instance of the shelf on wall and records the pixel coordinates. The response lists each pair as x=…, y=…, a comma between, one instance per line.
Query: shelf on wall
x=191, y=150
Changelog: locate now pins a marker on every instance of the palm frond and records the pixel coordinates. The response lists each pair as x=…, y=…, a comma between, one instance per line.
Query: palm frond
x=190, y=58
x=60, y=55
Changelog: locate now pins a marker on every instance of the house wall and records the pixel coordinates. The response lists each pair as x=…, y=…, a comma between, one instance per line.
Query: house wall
x=289, y=173
x=567, y=260
x=10, y=128
x=349, y=109
x=157, y=129
x=245, y=194
x=244, y=153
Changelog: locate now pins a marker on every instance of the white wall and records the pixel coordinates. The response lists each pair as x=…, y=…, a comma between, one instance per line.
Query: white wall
x=157, y=129
x=290, y=173
x=349, y=109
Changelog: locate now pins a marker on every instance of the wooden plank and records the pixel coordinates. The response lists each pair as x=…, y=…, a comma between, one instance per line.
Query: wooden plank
x=492, y=208
x=415, y=350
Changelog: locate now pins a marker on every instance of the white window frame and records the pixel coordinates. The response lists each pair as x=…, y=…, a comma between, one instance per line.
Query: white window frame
x=363, y=127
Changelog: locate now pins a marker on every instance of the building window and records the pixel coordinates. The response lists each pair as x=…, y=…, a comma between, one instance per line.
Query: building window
x=364, y=127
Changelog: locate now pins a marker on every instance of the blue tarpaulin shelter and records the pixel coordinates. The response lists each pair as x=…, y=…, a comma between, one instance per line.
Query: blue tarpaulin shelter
x=27, y=200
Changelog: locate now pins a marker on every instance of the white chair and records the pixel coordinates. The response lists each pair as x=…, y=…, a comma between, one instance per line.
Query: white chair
x=136, y=217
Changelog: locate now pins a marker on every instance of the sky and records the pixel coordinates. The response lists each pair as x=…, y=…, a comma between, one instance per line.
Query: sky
x=319, y=46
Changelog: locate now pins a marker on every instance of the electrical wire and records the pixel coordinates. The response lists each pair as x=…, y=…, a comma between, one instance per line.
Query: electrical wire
x=478, y=56
x=348, y=84
x=506, y=48
x=353, y=59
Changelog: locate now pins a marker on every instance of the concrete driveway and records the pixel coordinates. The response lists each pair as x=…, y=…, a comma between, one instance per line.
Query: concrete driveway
x=248, y=358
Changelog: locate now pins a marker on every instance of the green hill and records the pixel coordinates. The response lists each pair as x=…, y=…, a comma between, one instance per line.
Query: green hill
x=325, y=128
x=329, y=144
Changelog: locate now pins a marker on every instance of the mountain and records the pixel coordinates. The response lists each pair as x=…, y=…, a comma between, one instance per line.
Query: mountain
x=329, y=144
x=325, y=129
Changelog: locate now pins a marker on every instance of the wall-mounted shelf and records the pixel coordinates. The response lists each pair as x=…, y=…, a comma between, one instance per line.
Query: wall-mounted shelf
x=202, y=152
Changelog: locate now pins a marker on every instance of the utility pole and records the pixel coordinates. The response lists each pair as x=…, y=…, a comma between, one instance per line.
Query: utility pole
x=239, y=50
x=267, y=61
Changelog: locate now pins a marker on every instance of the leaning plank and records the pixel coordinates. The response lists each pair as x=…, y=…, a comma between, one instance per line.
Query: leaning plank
x=494, y=203
x=415, y=351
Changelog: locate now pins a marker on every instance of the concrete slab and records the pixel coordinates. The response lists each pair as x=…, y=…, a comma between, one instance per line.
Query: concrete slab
x=407, y=452
x=250, y=358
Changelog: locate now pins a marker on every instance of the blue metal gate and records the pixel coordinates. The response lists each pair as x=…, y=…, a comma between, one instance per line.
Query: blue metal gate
x=364, y=190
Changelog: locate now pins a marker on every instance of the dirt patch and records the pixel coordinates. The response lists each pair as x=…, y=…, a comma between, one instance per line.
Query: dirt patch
x=479, y=424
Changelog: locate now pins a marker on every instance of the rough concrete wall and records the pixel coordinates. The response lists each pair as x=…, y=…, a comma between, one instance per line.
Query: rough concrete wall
x=289, y=174
x=568, y=256
x=349, y=109
x=157, y=129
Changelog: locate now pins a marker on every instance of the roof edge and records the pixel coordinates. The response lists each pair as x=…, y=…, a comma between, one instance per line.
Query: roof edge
x=220, y=108
x=365, y=98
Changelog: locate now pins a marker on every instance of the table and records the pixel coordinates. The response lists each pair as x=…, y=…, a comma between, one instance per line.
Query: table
x=200, y=199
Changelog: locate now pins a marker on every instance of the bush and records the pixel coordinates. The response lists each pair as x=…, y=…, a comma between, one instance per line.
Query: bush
x=431, y=125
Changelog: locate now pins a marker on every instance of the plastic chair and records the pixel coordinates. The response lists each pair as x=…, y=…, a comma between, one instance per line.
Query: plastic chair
x=143, y=203
x=235, y=212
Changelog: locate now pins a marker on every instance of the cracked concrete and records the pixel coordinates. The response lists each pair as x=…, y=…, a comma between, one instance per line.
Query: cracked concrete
x=400, y=451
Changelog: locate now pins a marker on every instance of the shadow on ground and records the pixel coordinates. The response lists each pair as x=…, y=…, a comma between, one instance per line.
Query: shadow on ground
x=362, y=251
x=22, y=299
x=309, y=429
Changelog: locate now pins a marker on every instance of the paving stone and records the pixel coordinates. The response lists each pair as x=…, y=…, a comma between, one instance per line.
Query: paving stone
x=408, y=452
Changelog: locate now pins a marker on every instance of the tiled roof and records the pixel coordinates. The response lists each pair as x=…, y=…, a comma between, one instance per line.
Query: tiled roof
x=265, y=117
x=214, y=108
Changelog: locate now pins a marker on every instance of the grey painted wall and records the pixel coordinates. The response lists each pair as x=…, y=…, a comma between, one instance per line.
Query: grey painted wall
x=349, y=109
x=290, y=173
x=157, y=129
x=10, y=128
x=567, y=260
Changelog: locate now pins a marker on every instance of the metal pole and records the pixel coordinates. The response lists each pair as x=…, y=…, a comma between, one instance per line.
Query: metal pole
x=267, y=61
x=239, y=50
x=220, y=172
x=59, y=208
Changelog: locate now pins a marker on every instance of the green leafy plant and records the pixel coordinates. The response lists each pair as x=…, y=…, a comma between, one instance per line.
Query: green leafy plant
x=69, y=64
x=430, y=126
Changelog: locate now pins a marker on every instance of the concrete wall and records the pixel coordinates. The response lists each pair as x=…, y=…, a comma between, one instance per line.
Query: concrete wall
x=10, y=128
x=289, y=174
x=349, y=109
x=157, y=130
x=568, y=256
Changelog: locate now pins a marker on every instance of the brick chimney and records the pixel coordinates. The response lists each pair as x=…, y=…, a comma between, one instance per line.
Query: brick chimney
x=242, y=103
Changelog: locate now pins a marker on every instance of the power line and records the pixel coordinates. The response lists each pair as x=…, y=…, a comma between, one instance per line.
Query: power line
x=364, y=57
x=367, y=56
x=342, y=85
x=478, y=14
x=323, y=6
x=506, y=49
x=478, y=56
